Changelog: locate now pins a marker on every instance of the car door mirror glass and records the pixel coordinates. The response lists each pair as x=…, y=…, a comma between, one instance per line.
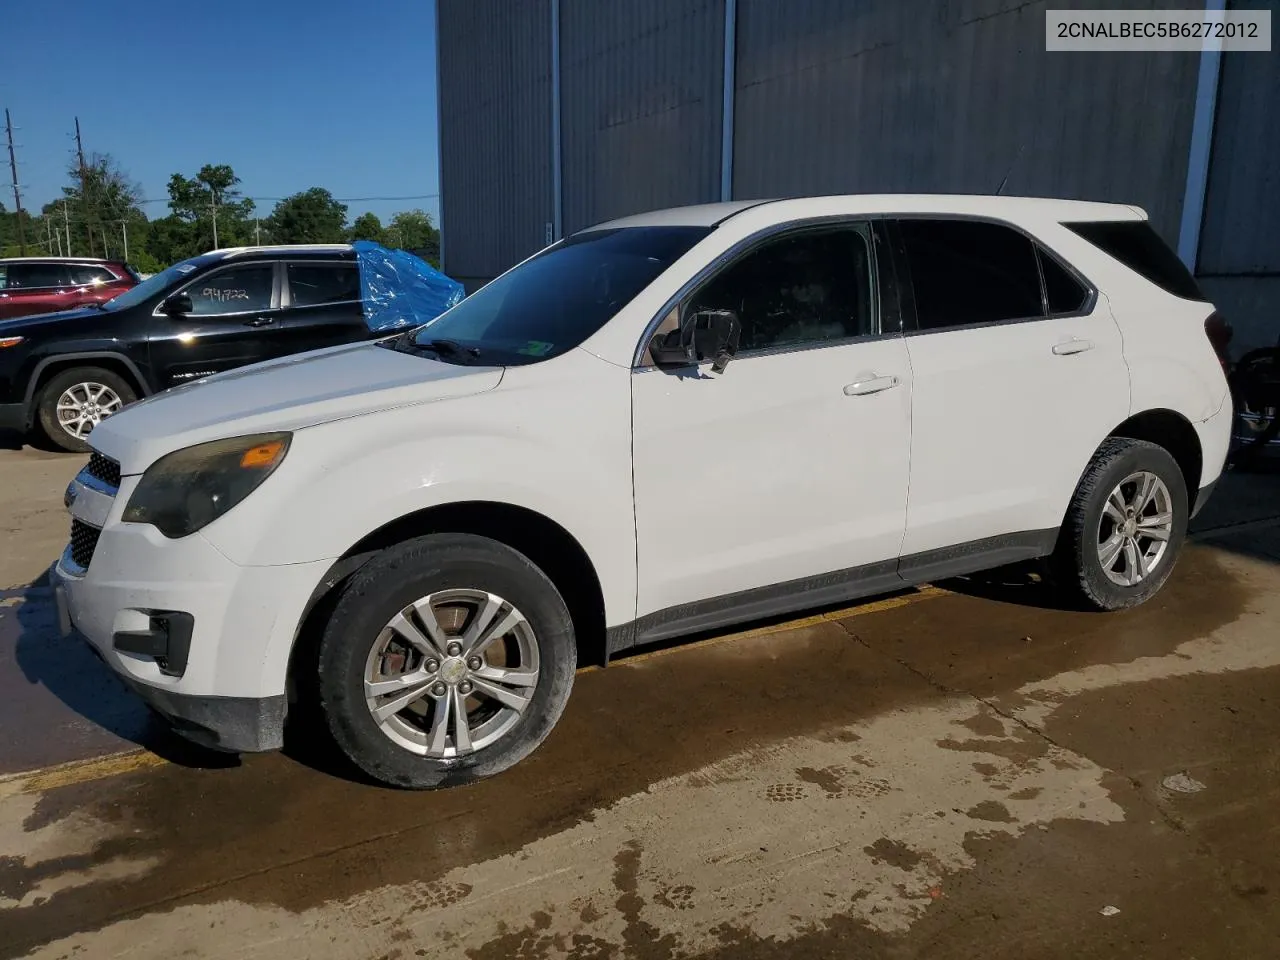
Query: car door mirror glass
x=178, y=305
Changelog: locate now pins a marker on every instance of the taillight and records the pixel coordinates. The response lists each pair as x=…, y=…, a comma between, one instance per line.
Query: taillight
x=1219, y=332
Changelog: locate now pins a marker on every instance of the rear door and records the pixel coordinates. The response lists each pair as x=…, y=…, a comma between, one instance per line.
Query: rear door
x=93, y=283
x=322, y=304
x=1019, y=374
x=34, y=287
x=235, y=320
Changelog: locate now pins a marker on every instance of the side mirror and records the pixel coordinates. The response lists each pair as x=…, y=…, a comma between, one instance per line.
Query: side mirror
x=715, y=335
x=671, y=349
x=178, y=305
x=706, y=335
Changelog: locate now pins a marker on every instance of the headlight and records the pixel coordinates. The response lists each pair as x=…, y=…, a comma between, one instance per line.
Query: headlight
x=189, y=489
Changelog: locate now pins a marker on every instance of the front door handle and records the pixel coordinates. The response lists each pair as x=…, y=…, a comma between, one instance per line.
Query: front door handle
x=1068, y=347
x=259, y=322
x=860, y=388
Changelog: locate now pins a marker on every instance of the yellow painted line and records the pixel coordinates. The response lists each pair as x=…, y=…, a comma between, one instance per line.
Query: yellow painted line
x=875, y=606
x=116, y=764
x=78, y=771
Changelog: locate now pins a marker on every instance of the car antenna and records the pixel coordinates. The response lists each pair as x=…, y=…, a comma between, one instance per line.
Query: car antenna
x=1000, y=189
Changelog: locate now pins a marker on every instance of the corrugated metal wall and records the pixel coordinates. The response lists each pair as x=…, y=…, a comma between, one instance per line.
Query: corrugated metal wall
x=1241, y=231
x=641, y=93
x=495, y=169
x=1239, y=257
x=883, y=95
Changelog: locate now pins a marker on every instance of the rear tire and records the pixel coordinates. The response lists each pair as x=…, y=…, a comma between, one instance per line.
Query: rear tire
x=1124, y=528
x=443, y=585
x=73, y=401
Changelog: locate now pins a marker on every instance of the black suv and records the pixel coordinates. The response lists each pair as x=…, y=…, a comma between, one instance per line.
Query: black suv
x=63, y=372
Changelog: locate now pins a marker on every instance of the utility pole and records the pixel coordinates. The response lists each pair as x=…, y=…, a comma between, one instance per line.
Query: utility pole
x=213, y=204
x=84, y=189
x=124, y=228
x=66, y=220
x=17, y=197
x=257, y=233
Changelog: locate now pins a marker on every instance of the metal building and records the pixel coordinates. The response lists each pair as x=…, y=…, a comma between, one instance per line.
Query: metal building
x=556, y=114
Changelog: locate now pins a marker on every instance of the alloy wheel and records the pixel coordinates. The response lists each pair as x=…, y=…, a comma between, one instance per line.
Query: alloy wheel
x=83, y=406
x=451, y=673
x=1134, y=529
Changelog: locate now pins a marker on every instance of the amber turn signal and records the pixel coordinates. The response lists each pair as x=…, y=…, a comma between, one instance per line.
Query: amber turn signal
x=263, y=455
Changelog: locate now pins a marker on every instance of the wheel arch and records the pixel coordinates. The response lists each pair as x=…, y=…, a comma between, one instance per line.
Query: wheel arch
x=546, y=543
x=1173, y=432
x=48, y=367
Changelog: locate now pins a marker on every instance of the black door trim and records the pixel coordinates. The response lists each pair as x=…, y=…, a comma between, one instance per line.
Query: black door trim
x=839, y=586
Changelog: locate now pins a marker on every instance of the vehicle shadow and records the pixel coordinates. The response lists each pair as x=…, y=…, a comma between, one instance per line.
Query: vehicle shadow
x=12, y=440
x=94, y=711
x=1024, y=584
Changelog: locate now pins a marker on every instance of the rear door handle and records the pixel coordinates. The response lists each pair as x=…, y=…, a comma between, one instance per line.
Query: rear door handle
x=259, y=322
x=1068, y=347
x=860, y=388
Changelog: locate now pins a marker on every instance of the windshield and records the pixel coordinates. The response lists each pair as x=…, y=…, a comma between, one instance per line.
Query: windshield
x=152, y=285
x=555, y=301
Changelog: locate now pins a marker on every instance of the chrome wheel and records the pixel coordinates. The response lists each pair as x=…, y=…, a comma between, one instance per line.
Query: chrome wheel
x=1135, y=527
x=82, y=406
x=451, y=673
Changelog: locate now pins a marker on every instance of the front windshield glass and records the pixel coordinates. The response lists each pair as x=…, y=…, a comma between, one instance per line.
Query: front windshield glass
x=152, y=285
x=555, y=301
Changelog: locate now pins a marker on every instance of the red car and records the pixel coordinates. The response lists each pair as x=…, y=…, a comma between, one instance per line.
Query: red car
x=46, y=284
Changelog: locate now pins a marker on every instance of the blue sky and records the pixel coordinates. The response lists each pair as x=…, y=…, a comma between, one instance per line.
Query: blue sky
x=291, y=93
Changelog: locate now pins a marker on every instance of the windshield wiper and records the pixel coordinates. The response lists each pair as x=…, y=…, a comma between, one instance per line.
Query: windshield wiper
x=448, y=348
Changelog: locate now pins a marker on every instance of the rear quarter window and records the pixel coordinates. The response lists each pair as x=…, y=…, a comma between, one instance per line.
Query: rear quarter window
x=1135, y=244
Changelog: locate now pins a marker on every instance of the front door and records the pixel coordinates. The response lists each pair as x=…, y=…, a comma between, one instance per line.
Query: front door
x=792, y=463
x=1019, y=375
x=235, y=320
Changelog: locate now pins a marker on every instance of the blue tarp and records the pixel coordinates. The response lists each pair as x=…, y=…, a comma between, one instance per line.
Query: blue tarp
x=401, y=290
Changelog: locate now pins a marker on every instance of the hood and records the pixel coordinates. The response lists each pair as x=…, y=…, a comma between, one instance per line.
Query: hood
x=32, y=323
x=285, y=394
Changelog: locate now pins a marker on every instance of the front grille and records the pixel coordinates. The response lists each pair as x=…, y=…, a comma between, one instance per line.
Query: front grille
x=104, y=469
x=84, y=540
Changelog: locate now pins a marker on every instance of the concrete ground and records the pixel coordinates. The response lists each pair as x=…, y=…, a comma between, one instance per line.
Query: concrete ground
x=957, y=772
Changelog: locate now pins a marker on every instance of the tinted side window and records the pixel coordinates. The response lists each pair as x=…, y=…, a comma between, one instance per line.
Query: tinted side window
x=313, y=284
x=802, y=288
x=83, y=275
x=1063, y=292
x=29, y=276
x=238, y=290
x=967, y=272
x=1135, y=244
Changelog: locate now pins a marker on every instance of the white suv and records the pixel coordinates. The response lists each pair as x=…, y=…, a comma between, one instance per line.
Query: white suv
x=657, y=426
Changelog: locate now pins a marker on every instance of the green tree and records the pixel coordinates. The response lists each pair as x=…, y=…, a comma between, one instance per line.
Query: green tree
x=211, y=211
x=367, y=226
x=413, y=230
x=100, y=204
x=312, y=216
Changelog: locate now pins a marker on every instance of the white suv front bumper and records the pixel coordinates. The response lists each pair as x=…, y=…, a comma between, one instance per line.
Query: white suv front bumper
x=203, y=640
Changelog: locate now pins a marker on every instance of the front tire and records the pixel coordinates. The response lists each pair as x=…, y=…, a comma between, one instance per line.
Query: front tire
x=76, y=400
x=448, y=659
x=1124, y=528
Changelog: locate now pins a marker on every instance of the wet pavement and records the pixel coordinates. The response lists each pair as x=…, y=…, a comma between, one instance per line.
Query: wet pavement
x=964, y=771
